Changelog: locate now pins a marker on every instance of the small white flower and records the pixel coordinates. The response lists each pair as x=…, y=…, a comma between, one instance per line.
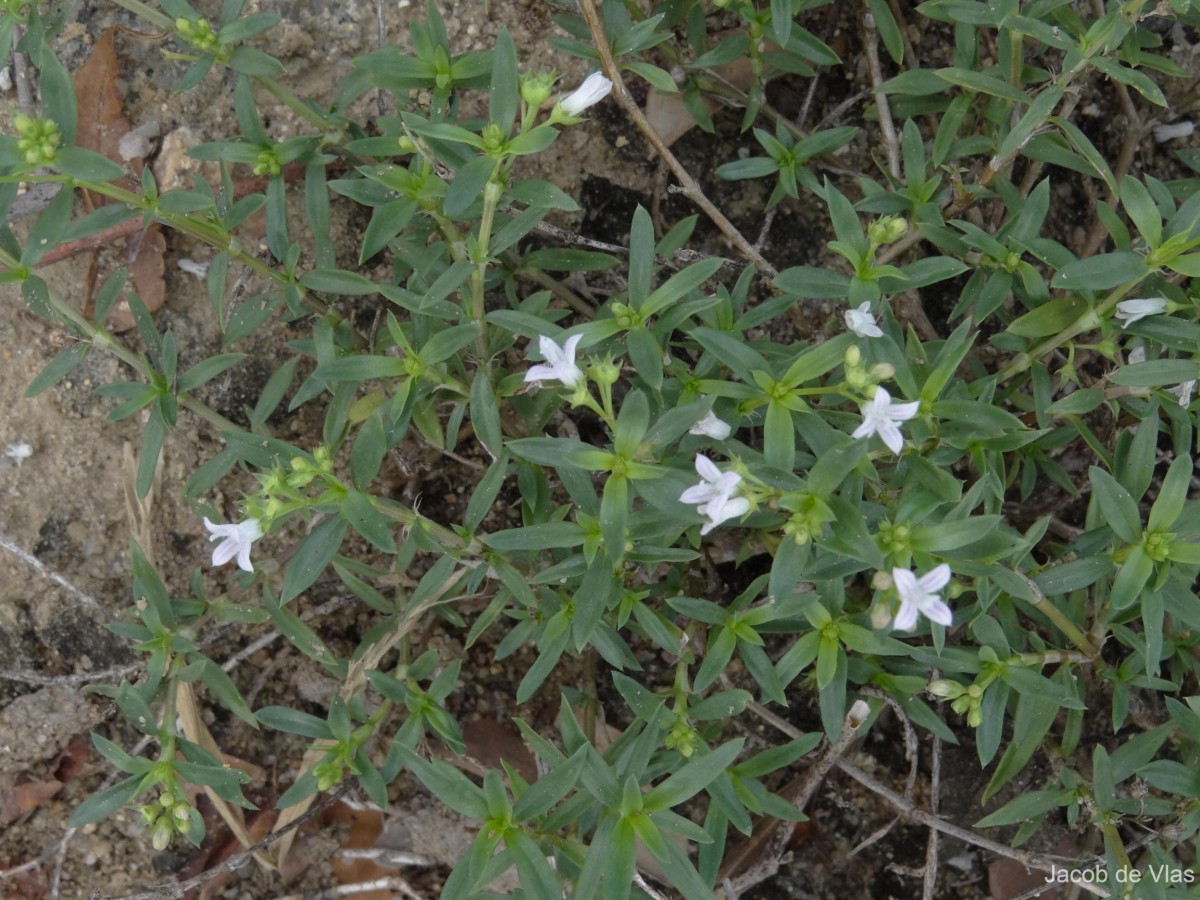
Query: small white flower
x=1129, y=311
x=711, y=426
x=880, y=416
x=560, y=362
x=714, y=495
x=862, y=323
x=920, y=595
x=1184, y=392
x=18, y=452
x=1137, y=355
x=594, y=89
x=1164, y=133
x=235, y=541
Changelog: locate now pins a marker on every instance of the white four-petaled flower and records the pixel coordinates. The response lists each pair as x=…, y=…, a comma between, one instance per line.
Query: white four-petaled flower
x=711, y=426
x=862, y=323
x=235, y=541
x=560, y=362
x=714, y=495
x=1129, y=311
x=880, y=416
x=920, y=595
x=594, y=89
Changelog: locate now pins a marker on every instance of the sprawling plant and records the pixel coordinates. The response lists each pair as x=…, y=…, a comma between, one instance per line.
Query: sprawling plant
x=790, y=486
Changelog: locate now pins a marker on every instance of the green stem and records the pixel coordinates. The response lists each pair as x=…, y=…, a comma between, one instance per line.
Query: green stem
x=1116, y=846
x=148, y=13
x=295, y=104
x=1089, y=321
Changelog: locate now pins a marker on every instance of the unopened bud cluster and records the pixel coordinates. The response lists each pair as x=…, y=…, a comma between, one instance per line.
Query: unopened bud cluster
x=966, y=701
x=166, y=818
x=267, y=162
x=887, y=230
x=199, y=33
x=858, y=376
x=37, y=139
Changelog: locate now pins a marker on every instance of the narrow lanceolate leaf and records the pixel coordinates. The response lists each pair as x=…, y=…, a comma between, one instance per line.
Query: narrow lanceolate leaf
x=1118, y=508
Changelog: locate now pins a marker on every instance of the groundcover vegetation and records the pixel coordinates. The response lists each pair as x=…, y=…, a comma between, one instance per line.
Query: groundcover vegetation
x=738, y=486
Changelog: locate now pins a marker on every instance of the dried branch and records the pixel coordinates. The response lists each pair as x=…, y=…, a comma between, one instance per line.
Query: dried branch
x=871, y=46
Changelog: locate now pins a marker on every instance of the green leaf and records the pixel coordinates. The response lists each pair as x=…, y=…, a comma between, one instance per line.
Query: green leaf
x=694, y=776
x=809, y=282
x=1118, y=508
x=1027, y=806
x=312, y=556
x=1100, y=272
x=1171, y=496
x=1034, y=117
x=980, y=82
x=1049, y=318
x=337, y=281
x=205, y=371
x=293, y=721
x=57, y=369
x=103, y=804
x=1142, y=210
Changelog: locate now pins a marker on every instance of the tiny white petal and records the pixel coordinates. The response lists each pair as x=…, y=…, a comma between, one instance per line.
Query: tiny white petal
x=711, y=426
x=594, y=89
x=920, y=595
x=707, y=469
x=1137, y=355
x=861, y=322
x=1129, y=311
x=560, y=362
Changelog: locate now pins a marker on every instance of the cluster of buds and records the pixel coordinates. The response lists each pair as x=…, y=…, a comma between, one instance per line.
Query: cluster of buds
x=37, y=139
x=858, y=376
x=267, y=162
x=682, y=737
x=895, y=540
x=329, y=773
x=966, y=701
x=165, y=818
x=199, y=33
x=886, y=230
x=809, y=513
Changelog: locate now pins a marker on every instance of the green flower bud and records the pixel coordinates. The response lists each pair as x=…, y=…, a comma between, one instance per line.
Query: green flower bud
x=406, y=145
x=267, y=162
x=604, y=371
x=887, y=230
x=946, y=689
x=493, y=137
x=536, y=89
x=161, y=834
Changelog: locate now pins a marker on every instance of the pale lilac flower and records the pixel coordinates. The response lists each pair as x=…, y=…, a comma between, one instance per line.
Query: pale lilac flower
x=235, y=541
x=880, y=416
x=714, y=495
x=862, y=323
x=594, y=89
x=560, y=362
x=711, y=426
x=920, y=595
x=1129, y=311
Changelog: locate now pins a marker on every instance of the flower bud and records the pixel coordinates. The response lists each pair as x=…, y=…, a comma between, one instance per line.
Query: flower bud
x=946, y=689
x=853, y=357
x=536, y=89
x=161, y=834
x=887, y=230
x=881, y=581
x=604, y=371
x=883, y=371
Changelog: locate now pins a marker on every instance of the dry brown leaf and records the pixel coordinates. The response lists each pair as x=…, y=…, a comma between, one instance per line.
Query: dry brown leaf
x=102, y=124
x=102, y=121
x=24, y=798
x=364, y=826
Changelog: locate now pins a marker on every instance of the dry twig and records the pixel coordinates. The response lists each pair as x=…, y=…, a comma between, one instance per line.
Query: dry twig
x=689, y=185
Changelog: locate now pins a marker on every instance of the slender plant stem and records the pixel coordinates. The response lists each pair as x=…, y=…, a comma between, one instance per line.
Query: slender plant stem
x=689, y=185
